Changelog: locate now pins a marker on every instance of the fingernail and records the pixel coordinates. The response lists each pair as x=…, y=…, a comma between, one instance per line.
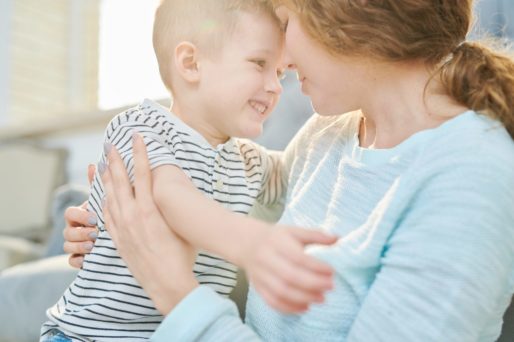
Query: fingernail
x=93, y=235
x=134, y=135
x=92, y=220
x=88, y=246
x=107, y=148
x=101, y=168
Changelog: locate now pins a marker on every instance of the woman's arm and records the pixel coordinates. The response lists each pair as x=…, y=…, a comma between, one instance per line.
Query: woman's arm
x=219, y=320
x=148, y=246
x=286, y=277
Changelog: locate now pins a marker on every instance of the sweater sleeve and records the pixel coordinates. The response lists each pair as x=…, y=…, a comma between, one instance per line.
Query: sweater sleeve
x=204, y=316
x=447, y=269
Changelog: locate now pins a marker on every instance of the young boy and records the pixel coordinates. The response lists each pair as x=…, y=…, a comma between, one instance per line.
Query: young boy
x=220, y=61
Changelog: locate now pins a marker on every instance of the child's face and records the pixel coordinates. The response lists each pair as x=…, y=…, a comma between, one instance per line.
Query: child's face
x=239, y=86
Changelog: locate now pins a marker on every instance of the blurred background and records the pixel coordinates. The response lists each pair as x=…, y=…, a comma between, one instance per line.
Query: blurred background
x=66, y=68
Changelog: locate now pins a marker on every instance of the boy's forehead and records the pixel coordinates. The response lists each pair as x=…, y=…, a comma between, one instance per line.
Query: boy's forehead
x=251, y=38
x=252, y=21
x=259, y=35
x=209, y=24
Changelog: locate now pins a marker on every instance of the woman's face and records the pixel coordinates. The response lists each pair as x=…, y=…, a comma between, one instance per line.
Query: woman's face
x=335, y=84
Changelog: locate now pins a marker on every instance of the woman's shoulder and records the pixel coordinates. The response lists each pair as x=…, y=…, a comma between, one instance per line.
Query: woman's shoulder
x=472, y=134
x=471, y=143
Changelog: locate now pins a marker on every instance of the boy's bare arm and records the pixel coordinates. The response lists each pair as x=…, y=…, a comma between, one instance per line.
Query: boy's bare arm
x=274, y=258
x=287, y=278
x=202, y=221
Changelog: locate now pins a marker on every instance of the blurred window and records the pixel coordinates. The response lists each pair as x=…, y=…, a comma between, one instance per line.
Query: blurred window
x=128, y=70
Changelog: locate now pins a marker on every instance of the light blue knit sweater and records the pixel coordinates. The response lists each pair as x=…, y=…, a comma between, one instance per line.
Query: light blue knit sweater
x=427, y=239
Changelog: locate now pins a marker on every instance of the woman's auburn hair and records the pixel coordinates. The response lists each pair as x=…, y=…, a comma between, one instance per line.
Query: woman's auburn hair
x=434, y=31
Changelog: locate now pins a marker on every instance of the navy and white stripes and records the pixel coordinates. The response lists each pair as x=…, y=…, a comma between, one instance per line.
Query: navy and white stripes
x=105, y=302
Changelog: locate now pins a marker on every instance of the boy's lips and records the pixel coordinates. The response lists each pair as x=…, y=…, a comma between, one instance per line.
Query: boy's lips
x=260, y=106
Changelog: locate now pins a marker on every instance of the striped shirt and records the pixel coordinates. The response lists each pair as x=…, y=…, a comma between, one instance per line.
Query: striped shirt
x=105, y=302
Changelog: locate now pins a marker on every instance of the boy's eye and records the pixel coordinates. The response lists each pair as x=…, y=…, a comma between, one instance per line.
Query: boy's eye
x=260, y=62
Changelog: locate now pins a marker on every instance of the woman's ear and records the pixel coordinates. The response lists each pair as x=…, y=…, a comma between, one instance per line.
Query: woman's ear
x=186, y=61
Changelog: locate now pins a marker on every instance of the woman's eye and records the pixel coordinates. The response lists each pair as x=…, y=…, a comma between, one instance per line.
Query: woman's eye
x=281, y=74
x=284, y=25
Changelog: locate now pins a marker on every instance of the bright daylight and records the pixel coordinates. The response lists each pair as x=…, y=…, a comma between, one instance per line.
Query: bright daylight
x=256, y=170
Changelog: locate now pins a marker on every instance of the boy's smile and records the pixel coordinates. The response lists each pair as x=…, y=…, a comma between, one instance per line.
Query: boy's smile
x=239, y=85
x=259, y=106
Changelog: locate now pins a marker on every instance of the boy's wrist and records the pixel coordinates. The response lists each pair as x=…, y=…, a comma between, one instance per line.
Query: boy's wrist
x=248, y=238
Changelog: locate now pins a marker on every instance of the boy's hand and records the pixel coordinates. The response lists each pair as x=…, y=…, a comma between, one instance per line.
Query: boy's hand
x=286, y=277
x=80, y=231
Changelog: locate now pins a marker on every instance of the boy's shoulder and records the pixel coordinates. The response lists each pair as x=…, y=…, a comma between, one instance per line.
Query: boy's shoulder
x=147, y=113
x=247, y=149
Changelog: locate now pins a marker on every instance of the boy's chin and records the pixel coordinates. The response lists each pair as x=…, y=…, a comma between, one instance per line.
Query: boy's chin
x=250, y=132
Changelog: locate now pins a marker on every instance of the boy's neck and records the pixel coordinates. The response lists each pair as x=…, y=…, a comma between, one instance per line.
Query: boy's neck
x=199, y=124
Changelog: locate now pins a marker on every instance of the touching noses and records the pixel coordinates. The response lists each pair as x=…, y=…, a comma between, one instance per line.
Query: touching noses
x=288, y=61
x=273, y=84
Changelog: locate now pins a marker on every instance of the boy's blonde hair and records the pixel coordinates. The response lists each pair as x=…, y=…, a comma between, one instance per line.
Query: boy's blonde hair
x=205, y=23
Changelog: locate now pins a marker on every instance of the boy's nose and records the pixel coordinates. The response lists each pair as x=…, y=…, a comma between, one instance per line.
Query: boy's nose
x=273, y=84
x=291, y=66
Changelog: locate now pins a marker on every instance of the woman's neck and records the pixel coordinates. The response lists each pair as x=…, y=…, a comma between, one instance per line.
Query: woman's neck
x=403, y=100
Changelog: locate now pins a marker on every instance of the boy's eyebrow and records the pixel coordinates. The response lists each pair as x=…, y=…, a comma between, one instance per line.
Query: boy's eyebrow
x=263, y=51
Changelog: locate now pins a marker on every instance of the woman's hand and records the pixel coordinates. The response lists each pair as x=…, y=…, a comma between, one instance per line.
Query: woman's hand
x=160, y=260
x=80, y=231
x=286, y=277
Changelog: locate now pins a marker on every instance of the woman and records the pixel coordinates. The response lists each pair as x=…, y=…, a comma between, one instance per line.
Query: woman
x=415, y=178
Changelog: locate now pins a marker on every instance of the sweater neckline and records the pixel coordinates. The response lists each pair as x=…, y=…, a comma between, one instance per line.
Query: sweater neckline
x=380, y=156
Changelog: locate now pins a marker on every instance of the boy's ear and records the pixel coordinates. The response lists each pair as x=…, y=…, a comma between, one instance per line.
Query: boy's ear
x=186, y=61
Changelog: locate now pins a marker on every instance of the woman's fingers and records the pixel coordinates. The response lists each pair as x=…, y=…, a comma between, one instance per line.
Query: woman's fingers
x=80, y=234
x=91, y=169
x=118, y=176
x=79, y=217
x=78, y=238
x=76, y=260
x=110, y=199
x=110, y=225
x=142, y=172
x=82, y=247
